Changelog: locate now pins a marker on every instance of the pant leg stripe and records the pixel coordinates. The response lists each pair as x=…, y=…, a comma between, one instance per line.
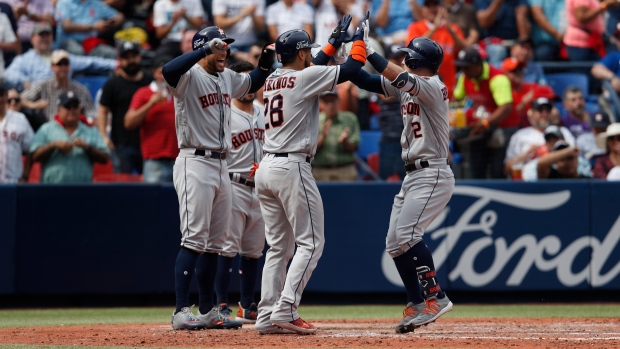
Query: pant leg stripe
x=186, y=205
x=427, y=200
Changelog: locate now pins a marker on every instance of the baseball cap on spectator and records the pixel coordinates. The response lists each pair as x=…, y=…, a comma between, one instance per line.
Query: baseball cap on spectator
x=553, y=131
x=468, y=57
x=67, y=97
x=41, y=27
x=559, y=145
x=599, y=119
x=431, y=2
x=59, y=55
x=127, y=47
x=540, y=102
x=511, y=64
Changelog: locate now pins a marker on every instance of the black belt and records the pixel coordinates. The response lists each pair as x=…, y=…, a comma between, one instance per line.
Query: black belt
x=285, y=155
x=247, y=182
x=214, y=154
x=423, y=164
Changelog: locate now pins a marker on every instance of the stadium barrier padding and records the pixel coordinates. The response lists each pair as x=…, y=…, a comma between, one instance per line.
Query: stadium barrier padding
x=122, y=239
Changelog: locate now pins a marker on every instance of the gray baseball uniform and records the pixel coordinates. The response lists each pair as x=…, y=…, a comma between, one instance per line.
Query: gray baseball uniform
x=15, y=137
x=290, y=200
x=246, y=234
x=202, y=107
x=425, y=190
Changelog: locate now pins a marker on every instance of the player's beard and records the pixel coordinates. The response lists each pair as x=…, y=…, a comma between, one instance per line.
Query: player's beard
x=249, y=98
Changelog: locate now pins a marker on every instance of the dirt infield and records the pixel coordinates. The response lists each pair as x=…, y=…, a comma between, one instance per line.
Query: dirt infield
x=445, y=333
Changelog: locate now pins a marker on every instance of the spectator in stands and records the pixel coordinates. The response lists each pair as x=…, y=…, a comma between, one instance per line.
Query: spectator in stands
x=576, y=118
x=66, y=146
x=116, y=96
x=171, y=18
x=561, y=163
x=608, y=69
x=392, y=17
x=329, y=12
x=42, y=96
x=285, y=15
x=29, y=13
x=15, y=140
x=584, y=34
x=339, y=137
x=586, y=141
x=463, y=14
x=491, y=94
x=610, y=141
x=391, y=124
x=152, y=110
x=34, y=65
x=436, y=26
x=8, y=40
x=548, y=28
x=186, y=42
x=524, y=146
x=241, y=19
x=14, y=102
x=501, y=20
x=80, y=22
x=612, y=29
x=252, y=55
x=523, y=52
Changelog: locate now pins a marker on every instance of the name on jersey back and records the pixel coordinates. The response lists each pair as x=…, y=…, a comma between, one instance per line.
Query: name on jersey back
x=279, y=83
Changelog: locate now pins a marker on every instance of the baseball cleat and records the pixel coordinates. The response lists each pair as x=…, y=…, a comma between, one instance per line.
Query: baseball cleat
x=186, y=320
x=219, y=318
x=433, y=309
x=271, y=329
x=247, y=316
x=409, y=313
x=298, y=325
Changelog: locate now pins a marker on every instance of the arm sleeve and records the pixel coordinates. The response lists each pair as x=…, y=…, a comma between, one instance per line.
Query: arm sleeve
x=349, y=69
x=257, y=78
x=80, y=63
x=368, y=82
x=14, y=73
x=321, y=58
x=173, y=70
x=500, y=89
x=107, y=92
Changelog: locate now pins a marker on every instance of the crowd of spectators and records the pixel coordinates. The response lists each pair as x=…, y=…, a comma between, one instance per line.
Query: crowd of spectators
x=492, y=50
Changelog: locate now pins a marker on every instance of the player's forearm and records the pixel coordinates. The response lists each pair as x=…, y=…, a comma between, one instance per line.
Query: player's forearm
x=323, y=57
x=173, y=70
x=368, y=82
x=349, y=70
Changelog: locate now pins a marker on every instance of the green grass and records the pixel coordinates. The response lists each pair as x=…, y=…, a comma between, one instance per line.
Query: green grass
x=59, y=317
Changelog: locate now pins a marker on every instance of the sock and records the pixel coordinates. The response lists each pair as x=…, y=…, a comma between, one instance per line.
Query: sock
x=426, y=272
x=183, y=272
x=407, y=269
x=206, y=268
x=222, y=280
x=248, y=268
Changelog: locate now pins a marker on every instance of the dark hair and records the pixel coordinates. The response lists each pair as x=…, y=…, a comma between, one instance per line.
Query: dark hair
x=571, y=89
x=242, y=66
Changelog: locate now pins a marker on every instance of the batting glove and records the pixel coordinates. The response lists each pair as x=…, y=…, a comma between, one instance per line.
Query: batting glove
x=366, y=27
x=215, y=46
x=341, y=55
x=267, y=57
x=339, y=35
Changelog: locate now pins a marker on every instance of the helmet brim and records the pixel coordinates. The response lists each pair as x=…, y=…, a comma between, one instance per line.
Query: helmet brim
x=228, y=40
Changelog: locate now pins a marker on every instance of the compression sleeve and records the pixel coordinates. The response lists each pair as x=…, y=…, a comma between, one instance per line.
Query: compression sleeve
x=258, y=77
x=173, y=70
x=368, y=82
x=349, y=69
x=323, y=57
x=378, y=62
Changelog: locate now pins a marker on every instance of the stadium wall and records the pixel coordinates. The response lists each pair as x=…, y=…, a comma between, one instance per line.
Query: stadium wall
x=123, y=239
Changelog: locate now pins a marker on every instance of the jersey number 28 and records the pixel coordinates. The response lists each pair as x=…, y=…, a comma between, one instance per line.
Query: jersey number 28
x=273, y=111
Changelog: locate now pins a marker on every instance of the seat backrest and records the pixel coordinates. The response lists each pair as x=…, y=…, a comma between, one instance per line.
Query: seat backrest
x=92, y=83
x=369, y=143
x=560, y=81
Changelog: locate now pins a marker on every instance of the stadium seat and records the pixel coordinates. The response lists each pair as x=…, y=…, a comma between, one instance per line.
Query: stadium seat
x=560, y=81
x=35, y=173
x=373, y=161
x=92, y=83
x=369, y=143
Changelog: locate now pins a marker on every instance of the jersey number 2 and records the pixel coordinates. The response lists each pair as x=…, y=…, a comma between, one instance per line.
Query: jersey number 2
x=416, y=127
x=273, y=111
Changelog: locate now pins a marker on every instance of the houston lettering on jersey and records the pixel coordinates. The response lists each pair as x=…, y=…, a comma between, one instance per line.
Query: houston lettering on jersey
x=211, y=99
x=246, y=136
x=280, y=83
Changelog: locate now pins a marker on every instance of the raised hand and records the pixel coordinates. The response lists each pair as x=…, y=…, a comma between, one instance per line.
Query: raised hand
x=339, y=35
x=217, y=46
x=366, y=28
x=267, y=56
x=341, y=55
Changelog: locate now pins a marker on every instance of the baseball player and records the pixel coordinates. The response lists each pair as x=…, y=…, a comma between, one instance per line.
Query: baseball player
x=289, y=198
x=246, y=230
x=429, y=182
x=15, y=137
x=203, y=89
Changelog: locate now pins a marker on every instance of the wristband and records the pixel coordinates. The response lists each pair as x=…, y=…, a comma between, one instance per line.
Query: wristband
x=485, y=123
x=329, y=49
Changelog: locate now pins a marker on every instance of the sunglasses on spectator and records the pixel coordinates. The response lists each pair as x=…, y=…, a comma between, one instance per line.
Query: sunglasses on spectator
x=14, y=100
x=614, y=138
x=62, y=62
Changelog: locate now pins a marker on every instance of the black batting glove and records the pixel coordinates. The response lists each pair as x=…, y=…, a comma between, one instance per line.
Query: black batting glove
x=267, y=57
x=339, y=35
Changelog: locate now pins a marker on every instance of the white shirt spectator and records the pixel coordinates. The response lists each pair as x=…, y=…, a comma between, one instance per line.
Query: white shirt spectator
x=6, y=36
x=614, y=174
x=286, y=18
x=162, y=15
x=586, y=142
x=39, y=8
x=243, y=30
x=523, y=139
x=15, y=137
